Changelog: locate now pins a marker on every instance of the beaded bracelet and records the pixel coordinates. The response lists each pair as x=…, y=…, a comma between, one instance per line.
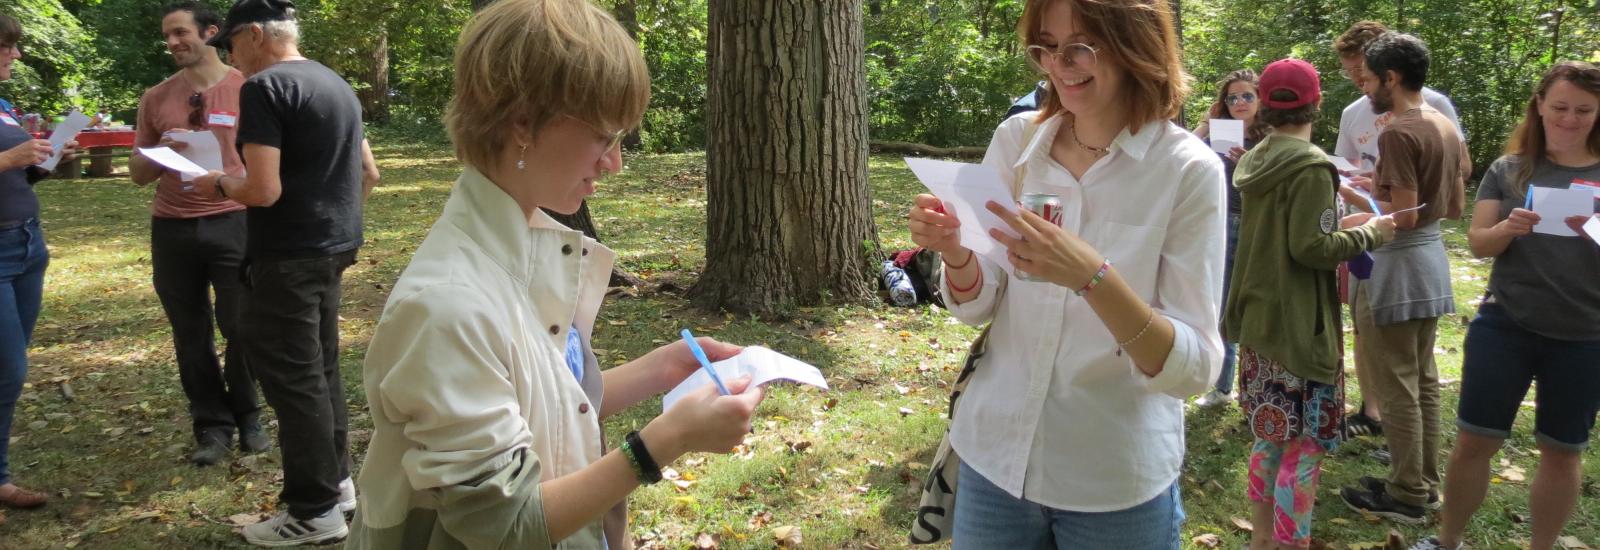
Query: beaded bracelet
x=1105, y=265
x=1136, y=337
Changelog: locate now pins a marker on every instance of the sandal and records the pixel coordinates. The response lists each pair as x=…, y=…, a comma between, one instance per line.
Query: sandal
x=12, y=496
x=1358, y=424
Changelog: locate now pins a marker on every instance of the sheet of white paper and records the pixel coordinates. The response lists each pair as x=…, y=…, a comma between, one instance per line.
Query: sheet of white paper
x=1592, y=227
x=1226, y=133
x=1554, y=206
x=965, y=189
x=164, y=156
x=63, y=133
x=1343, y=164
x=762, y=364
x=203, y=149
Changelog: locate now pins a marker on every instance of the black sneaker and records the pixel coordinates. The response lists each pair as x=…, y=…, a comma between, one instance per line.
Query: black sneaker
x=1376, y=485
x=1379, y=503
x=1381, y=456
x=209, y=450
x=1358, y=424
x=253, y=439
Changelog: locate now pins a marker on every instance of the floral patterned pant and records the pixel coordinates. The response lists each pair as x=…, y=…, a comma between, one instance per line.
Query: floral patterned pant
x=1286, y=474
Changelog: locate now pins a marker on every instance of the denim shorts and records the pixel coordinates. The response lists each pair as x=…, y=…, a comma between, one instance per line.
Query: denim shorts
x=1503, y=360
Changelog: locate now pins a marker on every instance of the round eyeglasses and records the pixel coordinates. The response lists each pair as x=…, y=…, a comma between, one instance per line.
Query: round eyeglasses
x=1082, y=56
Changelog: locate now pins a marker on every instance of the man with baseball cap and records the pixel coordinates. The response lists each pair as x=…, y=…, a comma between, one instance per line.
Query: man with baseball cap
x=309, y=169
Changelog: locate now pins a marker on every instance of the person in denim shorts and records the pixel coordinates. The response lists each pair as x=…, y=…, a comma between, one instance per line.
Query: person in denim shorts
x=1540, y=322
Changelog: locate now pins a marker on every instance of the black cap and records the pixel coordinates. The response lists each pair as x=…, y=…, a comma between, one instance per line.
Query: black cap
x=245, y=12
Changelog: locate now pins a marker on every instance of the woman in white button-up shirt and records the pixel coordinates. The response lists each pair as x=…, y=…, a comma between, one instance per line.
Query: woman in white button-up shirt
x=485, y=394
x=1070, y=431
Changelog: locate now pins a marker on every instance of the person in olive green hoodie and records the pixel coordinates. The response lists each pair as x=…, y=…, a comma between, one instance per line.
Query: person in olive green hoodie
x=1284, y=309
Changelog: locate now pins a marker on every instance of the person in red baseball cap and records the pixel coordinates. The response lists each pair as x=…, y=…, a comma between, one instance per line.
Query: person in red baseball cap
x=1284, y=306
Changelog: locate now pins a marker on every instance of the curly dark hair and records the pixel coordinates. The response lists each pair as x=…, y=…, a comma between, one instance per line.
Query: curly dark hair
x=1401, y=53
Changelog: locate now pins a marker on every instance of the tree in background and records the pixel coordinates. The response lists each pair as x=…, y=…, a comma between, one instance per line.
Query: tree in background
x=59, y=66
x=789, y=218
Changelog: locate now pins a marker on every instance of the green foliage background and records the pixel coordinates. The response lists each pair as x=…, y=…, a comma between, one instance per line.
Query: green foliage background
x=940, y=72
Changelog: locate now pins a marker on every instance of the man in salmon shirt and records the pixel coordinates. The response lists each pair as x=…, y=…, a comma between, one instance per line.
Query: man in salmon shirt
x=197, y=241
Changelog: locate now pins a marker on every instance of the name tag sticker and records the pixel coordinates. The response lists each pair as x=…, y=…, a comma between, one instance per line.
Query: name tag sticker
x=8, y=120
x=222, y=118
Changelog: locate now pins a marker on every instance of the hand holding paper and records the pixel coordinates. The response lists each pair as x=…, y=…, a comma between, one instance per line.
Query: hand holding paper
x=1554, y=206
x=1226, y=133
x=65, y=132
x=762, y=364
x=964, y=189
x=185, y=168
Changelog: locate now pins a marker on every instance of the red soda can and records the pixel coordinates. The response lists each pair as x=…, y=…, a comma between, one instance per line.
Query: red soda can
x=1047, y=206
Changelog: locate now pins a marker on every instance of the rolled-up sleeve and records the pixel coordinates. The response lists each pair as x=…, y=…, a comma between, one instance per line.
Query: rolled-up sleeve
x=1189, y=282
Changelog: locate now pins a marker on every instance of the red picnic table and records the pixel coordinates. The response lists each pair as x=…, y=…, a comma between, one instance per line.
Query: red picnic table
x=100, y=147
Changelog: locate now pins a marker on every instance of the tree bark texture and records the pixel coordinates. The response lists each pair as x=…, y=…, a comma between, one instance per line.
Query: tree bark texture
x=789, y=218
x=375, y=97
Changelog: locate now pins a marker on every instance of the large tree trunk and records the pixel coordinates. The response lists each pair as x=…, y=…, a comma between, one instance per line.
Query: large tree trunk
x=789, y=217
x=375, y=97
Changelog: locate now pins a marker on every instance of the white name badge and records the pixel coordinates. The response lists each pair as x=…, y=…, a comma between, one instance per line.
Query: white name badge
x=222, y=118
x=8, y=120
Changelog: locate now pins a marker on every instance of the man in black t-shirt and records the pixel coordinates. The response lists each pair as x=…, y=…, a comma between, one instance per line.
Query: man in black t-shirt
x=309, y=169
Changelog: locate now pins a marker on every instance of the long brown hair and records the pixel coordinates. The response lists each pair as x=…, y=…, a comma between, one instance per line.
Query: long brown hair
x=1527, y=142
x=1219, y=108
x=10, y=30
x=1139, y=36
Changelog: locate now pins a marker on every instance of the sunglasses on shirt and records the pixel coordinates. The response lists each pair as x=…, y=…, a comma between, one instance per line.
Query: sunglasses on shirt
x=197, y=111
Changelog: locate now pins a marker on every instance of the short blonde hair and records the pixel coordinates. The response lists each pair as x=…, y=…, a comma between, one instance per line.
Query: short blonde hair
x=1136, y=34
x=534, y=60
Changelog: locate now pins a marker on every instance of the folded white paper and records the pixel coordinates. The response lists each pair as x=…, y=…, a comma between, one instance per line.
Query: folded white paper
x=165, y=156
x=1342, y=164
x=965, y=189
x=1592, y=227
x=1226, y=133
x=203, y=149
x=762, y=364
x=1554, y=206
x=63, y=133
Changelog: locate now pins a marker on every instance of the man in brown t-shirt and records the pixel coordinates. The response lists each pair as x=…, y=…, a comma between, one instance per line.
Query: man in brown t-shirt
x=1421, y=162
x=197, y=242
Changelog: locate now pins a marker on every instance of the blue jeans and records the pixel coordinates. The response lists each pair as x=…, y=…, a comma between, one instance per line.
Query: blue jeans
x=988, y=517
x=23, y=258
x=1230, y=350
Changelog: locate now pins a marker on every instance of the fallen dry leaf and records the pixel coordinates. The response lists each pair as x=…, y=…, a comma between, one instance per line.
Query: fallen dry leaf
x=1242, y=524
x=1207, y=540
x=706, y=541
x=242, y=520
x=1572, y=543
x=787, y=536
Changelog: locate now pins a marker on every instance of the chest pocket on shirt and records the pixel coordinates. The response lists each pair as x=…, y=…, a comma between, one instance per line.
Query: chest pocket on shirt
x=1136, y=252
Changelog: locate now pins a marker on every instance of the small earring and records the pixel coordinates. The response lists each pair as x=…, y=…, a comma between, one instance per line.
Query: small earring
x=522, y=163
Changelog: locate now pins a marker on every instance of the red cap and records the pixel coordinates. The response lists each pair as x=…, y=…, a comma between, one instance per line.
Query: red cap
x=1294, y=75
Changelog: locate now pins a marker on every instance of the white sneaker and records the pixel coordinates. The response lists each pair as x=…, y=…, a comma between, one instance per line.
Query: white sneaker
x=347, y=496
x=284, y=530
x=1214, y=398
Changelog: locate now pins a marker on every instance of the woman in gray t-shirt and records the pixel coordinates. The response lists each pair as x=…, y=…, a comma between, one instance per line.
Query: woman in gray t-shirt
x=1540, y=321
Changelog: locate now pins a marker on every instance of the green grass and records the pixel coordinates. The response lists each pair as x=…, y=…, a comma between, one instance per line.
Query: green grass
x=842, y=466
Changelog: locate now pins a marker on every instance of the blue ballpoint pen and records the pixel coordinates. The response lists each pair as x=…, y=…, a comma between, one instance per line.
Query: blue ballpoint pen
x=705, y=363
